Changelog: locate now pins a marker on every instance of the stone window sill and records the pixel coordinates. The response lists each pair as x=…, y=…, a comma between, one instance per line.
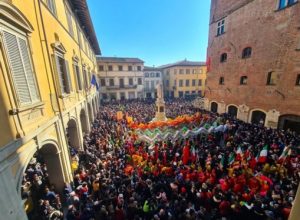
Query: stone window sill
x=26, y=108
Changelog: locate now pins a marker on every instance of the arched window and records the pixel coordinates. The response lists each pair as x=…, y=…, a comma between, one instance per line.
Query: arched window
x=271, y=79
x=14, y=31
x=223, y=57
x=243, y=80
x=221, y=80
x=247, y=52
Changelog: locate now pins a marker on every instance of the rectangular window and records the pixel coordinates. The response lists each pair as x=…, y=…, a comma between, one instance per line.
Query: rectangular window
x=120, y=68
x=194, y=82
x=51, y=6
x=85, y=79
x=101, y=68
x=187, y=82
x=139, y=68
x=221, y=27
x=175, y=82
x=102, y=82
x=21, y=67
x=167, y=83
x=147, y=84
x=121, y=82
x=152, y=85
x=187, y=71
x=200, y=82
x=63, y=74
x=140, y=81
x=175, y=71
x=78, y=76
x=298, y=80
x=69, y=19
x=129, y=68
x=181, y=83
x=111, y=82
x=180, y=94
x=157, y=74
x=131, y=81
x=181, y=71
x=110, y=68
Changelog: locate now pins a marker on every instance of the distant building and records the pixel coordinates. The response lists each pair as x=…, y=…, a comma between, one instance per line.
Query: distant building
x=152, y=77
x=184, y=79
x=120, y=78
x=254, y=61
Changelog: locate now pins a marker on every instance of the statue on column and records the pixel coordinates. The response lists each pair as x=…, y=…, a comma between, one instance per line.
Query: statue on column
x=159, y=90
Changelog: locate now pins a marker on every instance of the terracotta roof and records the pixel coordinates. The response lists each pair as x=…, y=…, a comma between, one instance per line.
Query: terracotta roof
x=81, y=9
x=120, y=59
x=183, y=63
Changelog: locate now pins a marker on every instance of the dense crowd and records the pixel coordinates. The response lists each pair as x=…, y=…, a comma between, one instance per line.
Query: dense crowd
x=219, y=175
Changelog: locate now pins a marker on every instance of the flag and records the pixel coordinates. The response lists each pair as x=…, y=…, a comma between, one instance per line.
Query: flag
x=94, y=82
x=239, y=154
x=263, y=155
x=222, y=162
x=285, y=153
x=208, y=62
x=231, y=158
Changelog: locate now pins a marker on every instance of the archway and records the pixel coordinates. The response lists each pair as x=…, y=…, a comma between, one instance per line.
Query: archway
x=291, y=122
x=258, y=117
x=232, y=110
x=73, y=134
x=90, y=113
x=214, y=107
x=84, y=121
x=44, y=171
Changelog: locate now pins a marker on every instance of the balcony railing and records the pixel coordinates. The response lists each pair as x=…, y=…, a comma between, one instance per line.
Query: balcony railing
x=121, y=87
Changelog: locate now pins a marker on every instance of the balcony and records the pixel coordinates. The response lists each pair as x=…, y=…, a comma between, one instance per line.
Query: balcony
x=115, y=87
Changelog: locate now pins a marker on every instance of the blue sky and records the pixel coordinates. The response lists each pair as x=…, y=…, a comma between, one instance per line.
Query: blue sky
x=156, y=31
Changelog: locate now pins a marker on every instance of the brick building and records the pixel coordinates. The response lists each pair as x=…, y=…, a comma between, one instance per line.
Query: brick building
x=254, y=61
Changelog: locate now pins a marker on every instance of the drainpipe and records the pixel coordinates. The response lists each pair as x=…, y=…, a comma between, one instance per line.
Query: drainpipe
x=53, y=76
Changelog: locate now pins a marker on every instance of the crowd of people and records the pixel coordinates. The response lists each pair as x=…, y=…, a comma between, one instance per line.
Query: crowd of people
x=245, y=172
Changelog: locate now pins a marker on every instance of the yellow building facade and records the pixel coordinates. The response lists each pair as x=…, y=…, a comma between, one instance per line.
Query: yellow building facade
x=47, y=60
x=184, y=79
x=120, y=78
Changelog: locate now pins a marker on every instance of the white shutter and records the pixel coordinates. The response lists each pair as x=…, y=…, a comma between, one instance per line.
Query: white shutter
x=16, y=64
x=28, y=70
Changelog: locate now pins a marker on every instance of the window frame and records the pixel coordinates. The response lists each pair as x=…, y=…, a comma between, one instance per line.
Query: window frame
x=245, y=52
x=11, y=29
x=242, y=78
x=221, y=80
x=223, y=58
x=187, y=82
x=298, y=80
x=77, y=73
x=140, y=81
x=102, y=82
x=110, y=68
x=180, y=83
x=221, y=27
x=101, y=68
x=53, y=10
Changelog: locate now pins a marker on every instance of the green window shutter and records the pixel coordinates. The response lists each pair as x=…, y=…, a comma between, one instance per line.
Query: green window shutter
x=17, y=68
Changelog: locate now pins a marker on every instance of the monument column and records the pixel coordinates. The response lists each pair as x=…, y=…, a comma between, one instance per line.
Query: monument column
x=160, y=114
